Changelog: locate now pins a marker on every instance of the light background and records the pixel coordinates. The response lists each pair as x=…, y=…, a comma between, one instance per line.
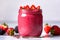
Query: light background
x=9, y=9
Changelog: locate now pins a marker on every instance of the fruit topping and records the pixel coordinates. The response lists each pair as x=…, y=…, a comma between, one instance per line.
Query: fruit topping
x=33, y=7
x=47, y=28
x=55, y=30
x=38, y=7
x=27, y=7
x=16, y=29
x=4, y=26
x=2, y=32
x=20, y=7
x=10, y=31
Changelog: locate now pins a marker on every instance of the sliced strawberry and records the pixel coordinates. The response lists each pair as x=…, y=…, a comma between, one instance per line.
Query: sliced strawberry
x=21, y=7
x=33, y=7
x=47, y=28
x=38, y=7
x=27, y=7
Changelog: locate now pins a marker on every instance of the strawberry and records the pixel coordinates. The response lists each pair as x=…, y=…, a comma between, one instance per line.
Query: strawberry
x=33, y=7
x=1, y=30
x=4, y=26
x=47, y=28
x=10, y=31
x=55, y=30
x=38, y=7
x=20, y=7
x=27, y=7
x=1, y=26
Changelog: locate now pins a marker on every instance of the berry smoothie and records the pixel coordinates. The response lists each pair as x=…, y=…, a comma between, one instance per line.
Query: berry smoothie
x=30, y=21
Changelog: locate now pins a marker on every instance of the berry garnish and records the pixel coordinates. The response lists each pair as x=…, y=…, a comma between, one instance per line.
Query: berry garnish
x=2, y=32
x=55, y=30
x=27, y=7
x=16, y=29
x=4, y=26
x=47, y=28
x=33, y=7
x=10, y=31
x=38, y=7
x=20, y=7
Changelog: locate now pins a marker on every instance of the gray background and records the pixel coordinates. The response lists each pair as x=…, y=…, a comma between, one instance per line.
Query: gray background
x=9, y=9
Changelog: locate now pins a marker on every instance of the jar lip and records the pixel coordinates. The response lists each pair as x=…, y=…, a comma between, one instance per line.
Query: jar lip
x=35, y=11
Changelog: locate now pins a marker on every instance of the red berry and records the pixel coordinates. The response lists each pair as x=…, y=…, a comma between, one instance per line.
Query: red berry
x=55, y=30
x=16, y=29
x=33, y=7
x=38, y=7
x=10, y=31
x=21, y=7
x=2, y=32
x=47, y=28
x=1, y=26
x=27, y=7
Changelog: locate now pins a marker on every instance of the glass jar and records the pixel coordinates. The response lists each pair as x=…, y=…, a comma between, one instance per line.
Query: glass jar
x=30, y=22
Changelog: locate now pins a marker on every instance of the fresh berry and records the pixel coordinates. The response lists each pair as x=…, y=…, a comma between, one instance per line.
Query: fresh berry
x=47, y=28
x=1, y=27
x=2, y=32
x=5, y=26
x=10, y=31
x=16, y=29
x=27, y=7
x=38, y=7
x=20, y=7
x=33, y=7
x=55, y=30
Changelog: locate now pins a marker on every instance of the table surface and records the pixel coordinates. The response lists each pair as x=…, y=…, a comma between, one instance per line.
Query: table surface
x=43, y=33
x=14, y=38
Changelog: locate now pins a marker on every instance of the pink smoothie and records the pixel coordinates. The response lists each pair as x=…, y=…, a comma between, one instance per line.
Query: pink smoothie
x=30, y=22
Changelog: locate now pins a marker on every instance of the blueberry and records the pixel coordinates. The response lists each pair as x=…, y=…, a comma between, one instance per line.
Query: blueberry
x=2, y=32
x=16, y=29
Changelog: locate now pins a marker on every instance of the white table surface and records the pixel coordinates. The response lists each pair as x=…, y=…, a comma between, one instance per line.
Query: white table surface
x=14, y=38
x=43, y=33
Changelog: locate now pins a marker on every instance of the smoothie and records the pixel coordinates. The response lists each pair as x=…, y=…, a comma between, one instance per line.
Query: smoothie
x=30, y=21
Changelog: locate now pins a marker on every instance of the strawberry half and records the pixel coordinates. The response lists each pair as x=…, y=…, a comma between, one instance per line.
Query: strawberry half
x=27, y=7
x=47, y=28
x=4, y=26
x=33, y=7
x=20, y=7
x=38, y=7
